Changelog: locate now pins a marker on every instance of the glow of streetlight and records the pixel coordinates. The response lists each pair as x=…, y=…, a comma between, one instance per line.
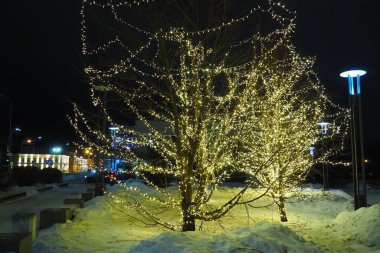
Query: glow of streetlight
x=323, y=126
x=312, y=150
x=353, y=73
x=350, y=74
x=56, y=150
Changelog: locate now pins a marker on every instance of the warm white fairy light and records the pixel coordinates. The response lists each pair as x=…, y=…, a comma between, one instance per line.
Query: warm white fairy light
x=284, y=115
x=211, y=135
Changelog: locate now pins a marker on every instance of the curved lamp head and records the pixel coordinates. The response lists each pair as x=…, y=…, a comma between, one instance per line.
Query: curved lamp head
x=323, y=126
x=351, y=74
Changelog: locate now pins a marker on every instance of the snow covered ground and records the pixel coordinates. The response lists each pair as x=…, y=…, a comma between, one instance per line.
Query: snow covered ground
x=34, y=202
x=321, y=222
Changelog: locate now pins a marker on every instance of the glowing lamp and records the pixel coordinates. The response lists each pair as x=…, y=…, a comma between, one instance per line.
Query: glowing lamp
x=359, y=179
x=56, y=150
x=351, y=74
x=323, y=126
x=113, y=130
x=312, y=150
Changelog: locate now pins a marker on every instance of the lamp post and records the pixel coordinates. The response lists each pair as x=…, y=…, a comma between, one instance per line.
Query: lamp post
x=113, y=136
x=9, y=148
x=357, y=151
x=325, y=169
x=9, y=142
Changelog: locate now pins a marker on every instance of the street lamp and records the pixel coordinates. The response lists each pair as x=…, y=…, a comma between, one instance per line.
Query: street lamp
x=30, y=141
x=357, y=151
x=113, y=130
x=312, y=151
x=25, y=141
x=325, y=169
x=56, y=150
x=9, y=148
x=9, y=142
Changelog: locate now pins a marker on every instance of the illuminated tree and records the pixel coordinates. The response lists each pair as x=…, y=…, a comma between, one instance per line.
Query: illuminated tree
x=285, y=122
x=196, y=68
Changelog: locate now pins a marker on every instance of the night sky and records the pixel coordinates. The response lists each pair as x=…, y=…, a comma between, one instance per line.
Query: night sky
x=42, y=66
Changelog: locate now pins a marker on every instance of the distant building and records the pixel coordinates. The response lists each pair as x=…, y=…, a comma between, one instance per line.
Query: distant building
x=64, y=163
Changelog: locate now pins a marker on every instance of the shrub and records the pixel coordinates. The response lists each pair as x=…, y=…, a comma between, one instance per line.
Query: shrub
x=50, y=175
x=25, y=176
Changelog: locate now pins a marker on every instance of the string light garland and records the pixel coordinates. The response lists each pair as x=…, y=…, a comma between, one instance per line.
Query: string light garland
x=253, y=112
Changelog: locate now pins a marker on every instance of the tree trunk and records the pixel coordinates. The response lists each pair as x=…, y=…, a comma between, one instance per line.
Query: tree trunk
x=188, y=223
x=188, y=220
x=281, y=209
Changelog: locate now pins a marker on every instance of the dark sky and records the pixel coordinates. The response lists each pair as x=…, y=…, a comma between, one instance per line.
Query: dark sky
x=42, y=66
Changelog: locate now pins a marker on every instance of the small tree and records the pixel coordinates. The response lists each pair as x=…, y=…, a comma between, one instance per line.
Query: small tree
x=292, y=103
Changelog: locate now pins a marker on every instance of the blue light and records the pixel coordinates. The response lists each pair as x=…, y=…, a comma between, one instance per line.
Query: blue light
x=358, y=83
x=351, y=74
x=312, y=150
x=324, y=126
x=56, y=150
x=351, y=85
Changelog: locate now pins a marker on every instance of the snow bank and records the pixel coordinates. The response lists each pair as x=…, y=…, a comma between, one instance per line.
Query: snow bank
x=96, y=209
x=325, y=219
x=30, y=191
x=362, y=226
x=261, y=237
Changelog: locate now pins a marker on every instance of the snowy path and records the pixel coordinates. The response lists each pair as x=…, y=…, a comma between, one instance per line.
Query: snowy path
x=35, y=203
